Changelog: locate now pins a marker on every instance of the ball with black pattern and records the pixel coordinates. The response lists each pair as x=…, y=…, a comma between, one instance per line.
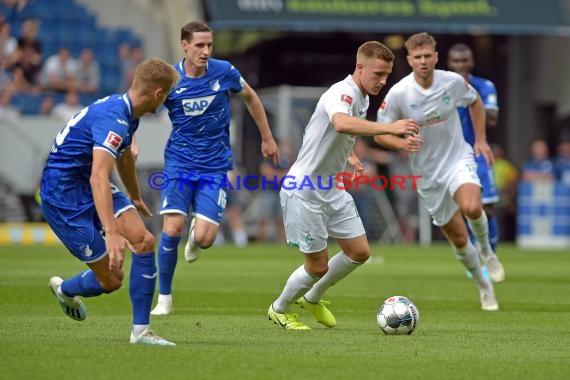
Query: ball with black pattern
x=398, y=315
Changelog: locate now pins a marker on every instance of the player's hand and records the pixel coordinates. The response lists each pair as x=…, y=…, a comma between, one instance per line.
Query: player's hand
x=269, y=149
x=482, y=148
x=405, y=126
x=413, y=143
x=115, y=245
x=356, y=164
x=130, y=246
x=141, y=207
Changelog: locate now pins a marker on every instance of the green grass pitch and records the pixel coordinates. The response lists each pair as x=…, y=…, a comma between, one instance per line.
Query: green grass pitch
x=221, y=327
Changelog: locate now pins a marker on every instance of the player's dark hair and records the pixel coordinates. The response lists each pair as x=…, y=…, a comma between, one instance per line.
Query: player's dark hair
x=374, y=49
x=188, y=30
x=459, y=48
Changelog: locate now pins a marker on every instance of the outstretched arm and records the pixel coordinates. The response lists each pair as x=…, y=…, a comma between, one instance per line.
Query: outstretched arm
x=352, y=125
x=410, y=143
x=269, y=148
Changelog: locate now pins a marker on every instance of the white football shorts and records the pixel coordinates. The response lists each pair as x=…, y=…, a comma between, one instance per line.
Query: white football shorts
x=308, y=224
x=439, y=199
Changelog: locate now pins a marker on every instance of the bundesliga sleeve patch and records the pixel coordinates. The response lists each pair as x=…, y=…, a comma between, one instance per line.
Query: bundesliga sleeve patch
x=346, y=99
x=113, y=141
x=383, y=105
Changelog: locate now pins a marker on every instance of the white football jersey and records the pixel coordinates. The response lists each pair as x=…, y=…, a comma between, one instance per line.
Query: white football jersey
x=324, y=151
x=435, y=111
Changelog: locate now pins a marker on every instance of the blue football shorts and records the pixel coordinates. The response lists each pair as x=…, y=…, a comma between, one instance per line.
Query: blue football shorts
x=80, y=230
x=205, y=195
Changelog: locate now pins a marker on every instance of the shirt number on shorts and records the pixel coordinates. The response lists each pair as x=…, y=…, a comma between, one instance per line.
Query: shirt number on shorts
x=222, y=198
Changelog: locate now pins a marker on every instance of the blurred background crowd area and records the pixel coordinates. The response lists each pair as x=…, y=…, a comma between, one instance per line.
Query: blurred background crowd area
x=55, y=52
x=57, y=56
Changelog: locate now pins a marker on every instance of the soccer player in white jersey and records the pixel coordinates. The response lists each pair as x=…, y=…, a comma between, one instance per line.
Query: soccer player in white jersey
x=313, y=212
x=449, y=185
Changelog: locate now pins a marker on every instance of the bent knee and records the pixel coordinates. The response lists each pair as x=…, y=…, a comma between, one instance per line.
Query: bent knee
x=472, y=210
x=205, y=238
x=173, y=225
x=204, y=242
x=318, y=269
x=144, y=242
x=359, y=256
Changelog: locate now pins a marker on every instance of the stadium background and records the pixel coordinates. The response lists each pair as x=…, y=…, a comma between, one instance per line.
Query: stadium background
x=289, y=50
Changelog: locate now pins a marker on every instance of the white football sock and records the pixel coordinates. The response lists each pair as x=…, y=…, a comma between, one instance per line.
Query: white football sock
x=139, y=329
x=469, y=257
x=297, y=284
x=165, y=298
x=340, y=265
x=480, y=228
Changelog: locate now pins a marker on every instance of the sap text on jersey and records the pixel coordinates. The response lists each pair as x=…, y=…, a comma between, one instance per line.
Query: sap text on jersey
x=196, y=106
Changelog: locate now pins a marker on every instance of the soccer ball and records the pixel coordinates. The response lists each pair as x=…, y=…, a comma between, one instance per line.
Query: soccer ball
x=398, y=316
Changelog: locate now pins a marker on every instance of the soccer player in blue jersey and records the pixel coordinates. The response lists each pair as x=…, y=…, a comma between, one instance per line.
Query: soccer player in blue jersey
x=460, y=59
x=198, y=153
x=94, y=219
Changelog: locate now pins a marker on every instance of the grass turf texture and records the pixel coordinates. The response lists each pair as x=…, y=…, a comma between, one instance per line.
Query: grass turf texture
x=221, y=327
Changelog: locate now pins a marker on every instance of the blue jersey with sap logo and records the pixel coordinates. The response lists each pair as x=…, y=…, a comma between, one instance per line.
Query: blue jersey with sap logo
x=488, y=93
x=199, y=109
x=105, y=124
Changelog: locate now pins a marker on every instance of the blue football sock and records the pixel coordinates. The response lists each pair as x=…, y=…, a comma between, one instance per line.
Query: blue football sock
x=493, y=233
x=167, y=259
x=84, y=284
x=141, y=287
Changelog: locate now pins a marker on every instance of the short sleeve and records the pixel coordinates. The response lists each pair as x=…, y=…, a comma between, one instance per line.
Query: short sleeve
x=388, y=112
x=489, y=95
x=466, y=94
x=339, y=100
x=110, y=133
x=236, y=83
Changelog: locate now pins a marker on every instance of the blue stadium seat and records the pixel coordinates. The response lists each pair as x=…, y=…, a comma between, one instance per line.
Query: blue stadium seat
x=7, y=13
x=28, y=104
x=49, y=48
x=107, y=54
x=73, y=14
x=109, y=82
x=65, y=23
x=44, y=10
x=86, y=99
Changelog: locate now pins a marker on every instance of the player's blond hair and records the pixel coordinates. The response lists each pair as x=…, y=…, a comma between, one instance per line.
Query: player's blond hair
x=419, y=39
x=154, y=73
x=374, y=49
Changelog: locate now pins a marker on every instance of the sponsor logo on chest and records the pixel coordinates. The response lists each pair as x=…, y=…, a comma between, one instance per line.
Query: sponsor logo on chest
x=197, y=106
